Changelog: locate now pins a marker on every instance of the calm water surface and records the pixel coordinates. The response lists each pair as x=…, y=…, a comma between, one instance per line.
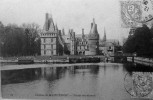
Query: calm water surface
x=92, y=82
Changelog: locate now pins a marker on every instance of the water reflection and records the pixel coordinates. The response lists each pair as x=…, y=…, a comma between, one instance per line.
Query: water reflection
x=48, y=73
x=20, y=76
x=132, y=67
x=51, y=74
x=103, y=82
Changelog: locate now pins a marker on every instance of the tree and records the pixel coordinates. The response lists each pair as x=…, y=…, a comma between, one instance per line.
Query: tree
x=143, y=41
x=13, y=40
x=129, y=45
x=139, y=42
x=32, y=38
x=2, y=35
x=19, y=41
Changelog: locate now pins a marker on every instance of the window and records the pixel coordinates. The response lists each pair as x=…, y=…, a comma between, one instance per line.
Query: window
x=52, y=52
x=51, y=39
x=44, y=46
x=44, y=40
x=44, y=52
x=51, y=46
x=87, y=46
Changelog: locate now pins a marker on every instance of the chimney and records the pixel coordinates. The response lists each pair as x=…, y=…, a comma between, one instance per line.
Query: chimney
x=83, y=36
x=96, y=28
x=73, y=34
x=82, y=31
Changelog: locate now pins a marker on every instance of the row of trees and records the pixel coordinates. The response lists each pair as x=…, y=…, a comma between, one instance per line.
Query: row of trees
x=140, y=42
x=19, y=40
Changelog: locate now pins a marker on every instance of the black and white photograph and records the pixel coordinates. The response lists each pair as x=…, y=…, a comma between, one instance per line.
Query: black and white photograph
x=76, y=49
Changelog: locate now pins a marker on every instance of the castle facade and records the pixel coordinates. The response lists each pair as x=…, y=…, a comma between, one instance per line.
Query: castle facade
x=56, y=42
x=51, y=43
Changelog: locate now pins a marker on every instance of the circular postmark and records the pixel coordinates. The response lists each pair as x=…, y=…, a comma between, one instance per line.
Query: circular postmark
x=136, y=12
x=138, y=84
x=147, y=9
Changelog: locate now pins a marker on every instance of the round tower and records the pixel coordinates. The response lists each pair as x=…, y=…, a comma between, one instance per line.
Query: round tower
x=93, y=40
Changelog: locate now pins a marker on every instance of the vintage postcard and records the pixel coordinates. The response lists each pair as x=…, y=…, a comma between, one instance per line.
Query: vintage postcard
x=76, y=49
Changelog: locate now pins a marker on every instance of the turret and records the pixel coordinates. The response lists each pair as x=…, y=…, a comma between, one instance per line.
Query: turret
x=63, y=32
x=93, y=31
x=71, y=33
x=72, y=42
x=93, y=39
x=50, y=44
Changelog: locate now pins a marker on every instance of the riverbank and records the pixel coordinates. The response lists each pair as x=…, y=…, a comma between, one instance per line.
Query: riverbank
x=12, y=67
x=53, y=59
x=141, y=60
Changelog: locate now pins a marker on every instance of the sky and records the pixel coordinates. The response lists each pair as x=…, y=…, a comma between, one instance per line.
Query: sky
x=75, y=14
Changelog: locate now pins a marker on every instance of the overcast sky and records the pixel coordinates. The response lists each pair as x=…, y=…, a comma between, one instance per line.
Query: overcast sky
x=76, y=14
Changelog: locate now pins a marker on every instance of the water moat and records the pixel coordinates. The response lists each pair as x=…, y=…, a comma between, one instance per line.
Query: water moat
x=101, y=81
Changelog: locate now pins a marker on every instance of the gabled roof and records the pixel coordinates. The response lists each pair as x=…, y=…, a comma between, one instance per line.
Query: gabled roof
x=109, y=42
x=65, y=38
x=80, y=36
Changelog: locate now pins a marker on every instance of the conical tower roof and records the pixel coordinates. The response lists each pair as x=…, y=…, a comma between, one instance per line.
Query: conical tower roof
x=51, y=24
x=93, y=31
x=93, y=28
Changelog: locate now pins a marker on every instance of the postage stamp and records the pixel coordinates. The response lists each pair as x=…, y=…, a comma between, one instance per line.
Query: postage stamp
x=139, y=84
x=135, y=13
